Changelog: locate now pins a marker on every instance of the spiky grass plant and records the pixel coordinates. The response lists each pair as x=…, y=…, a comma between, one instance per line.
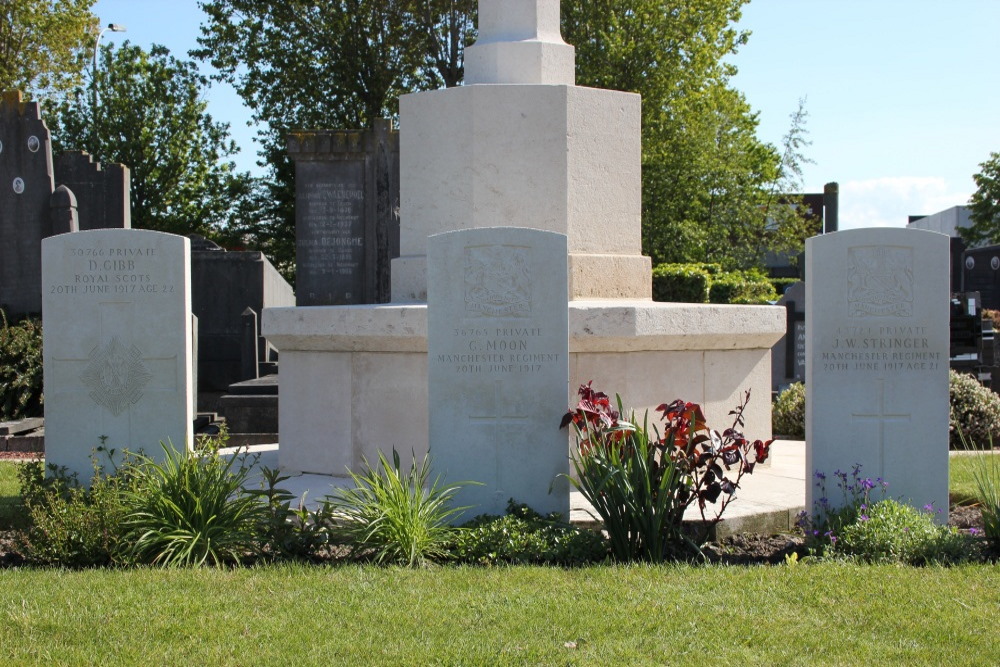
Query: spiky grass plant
x=191, y=509
x=395, y=516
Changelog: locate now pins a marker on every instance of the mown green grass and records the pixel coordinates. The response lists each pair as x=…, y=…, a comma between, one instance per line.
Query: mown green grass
x=11, y=508
x=807, y=614
x=962, y=484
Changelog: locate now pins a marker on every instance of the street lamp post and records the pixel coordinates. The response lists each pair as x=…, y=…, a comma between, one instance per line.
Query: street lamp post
x=113, y=27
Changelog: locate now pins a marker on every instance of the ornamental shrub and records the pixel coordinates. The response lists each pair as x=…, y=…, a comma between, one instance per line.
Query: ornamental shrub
x=395, y=517
x=788, y=413
x=974, y=413
x=742, y=288
x=891, y=532
x=640, y=483
x=681, y=283
x=781, y=284
x=20, y=369
x=70, y=525
x=523, y=536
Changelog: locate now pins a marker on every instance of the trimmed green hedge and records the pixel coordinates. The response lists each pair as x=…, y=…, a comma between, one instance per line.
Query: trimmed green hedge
x=682, y=283
x=739, y=287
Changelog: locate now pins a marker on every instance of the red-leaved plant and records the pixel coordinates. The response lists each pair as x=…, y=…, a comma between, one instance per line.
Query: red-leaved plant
x=641, y=483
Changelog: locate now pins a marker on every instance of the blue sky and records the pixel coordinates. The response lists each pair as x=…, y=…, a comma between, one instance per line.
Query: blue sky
x=903, y=96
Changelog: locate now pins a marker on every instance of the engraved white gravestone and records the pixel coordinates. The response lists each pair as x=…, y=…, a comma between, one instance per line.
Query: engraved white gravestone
x=498, y=366
x=116, y=306
x=877, y=329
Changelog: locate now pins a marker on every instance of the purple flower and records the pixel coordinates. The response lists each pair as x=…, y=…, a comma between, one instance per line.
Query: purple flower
x=863, y=506
x=819, y=475
x=974, y=531
x=929, y=508
x=863, y=517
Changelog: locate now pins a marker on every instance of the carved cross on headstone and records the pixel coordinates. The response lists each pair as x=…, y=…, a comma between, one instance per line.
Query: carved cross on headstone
x=497, y=419
x=881, y=418
x=116, y=373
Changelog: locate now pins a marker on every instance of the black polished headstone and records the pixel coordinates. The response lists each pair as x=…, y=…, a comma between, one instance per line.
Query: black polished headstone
x=26, y=185
x=346, y=214
x=788, y=356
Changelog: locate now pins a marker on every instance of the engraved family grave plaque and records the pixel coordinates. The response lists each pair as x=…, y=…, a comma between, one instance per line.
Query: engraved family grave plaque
x=117, y=343
x=877, y=328
x=498, y=366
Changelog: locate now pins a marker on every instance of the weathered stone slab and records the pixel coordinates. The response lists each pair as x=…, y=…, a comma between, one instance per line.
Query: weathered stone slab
x=788, y=356
x=498, y=366
x=103, y=191
x=117, y=343
x=877, y=331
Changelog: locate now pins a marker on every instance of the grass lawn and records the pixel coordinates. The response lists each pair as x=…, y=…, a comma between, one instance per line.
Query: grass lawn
x=825, y=613
x=961, y=484
x=806, y=614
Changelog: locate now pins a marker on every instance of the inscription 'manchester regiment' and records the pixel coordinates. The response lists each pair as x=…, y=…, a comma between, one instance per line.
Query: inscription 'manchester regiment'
x=497, y=281
x=880, y=281
x=116, y=376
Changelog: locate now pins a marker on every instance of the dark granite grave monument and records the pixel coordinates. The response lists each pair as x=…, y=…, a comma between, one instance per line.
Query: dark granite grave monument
x=26, y=185
x=223, y=286
x=102, y=190
x=788, y=356
x=346, y=214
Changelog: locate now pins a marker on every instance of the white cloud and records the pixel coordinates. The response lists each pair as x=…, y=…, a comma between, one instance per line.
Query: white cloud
x=888, y=201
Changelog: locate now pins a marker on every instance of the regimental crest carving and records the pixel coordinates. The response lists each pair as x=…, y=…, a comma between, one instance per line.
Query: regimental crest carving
x=880, y=281
x=498, y=281
x=116, y=376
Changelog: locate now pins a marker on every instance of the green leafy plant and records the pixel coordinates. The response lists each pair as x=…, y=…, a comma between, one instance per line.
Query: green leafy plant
x=288, y=528
x=788, y=414
x=640, y=484
x=822, y=528
x=70, y=525
x=974, y=412
x=684, y=283
x=20, y=369
x=986, y=476
x=889, y=531
x=190, y=509
x=394, y=516
x=523, y=536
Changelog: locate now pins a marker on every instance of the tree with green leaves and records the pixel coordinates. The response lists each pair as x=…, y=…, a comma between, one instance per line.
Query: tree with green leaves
x=984, y=205
x=151, y=116
x=45, y=45
x=707, y=179
x=709, y=185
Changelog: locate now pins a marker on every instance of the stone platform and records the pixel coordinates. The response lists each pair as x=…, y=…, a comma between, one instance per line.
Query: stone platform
x=767, y=503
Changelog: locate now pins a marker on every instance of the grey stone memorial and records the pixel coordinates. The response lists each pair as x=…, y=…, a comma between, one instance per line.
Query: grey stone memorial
x=788, y=356
x=224, y=285
x=877, y=330
x=102, y=190
x=498, y=366
x=346, y=214
x=26, y=185
x=117, y=344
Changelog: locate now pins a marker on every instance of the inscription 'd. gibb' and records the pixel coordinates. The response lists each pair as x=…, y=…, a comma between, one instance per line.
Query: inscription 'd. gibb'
x=879, y=281
x=498, y=281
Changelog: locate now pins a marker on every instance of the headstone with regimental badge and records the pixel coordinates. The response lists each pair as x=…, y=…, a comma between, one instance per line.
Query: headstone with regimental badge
x=498, y=366
x=117, y=344
x=877, y=328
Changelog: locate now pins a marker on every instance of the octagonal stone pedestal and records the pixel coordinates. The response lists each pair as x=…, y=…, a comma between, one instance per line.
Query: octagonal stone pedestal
x=353, y=379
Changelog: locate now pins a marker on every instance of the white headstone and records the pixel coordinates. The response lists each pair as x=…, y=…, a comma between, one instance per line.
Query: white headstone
x=116, y=307
x=877, y=326
x=498, y=366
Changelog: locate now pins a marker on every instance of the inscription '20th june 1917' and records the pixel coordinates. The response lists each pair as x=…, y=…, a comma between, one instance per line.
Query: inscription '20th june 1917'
x=112, y=271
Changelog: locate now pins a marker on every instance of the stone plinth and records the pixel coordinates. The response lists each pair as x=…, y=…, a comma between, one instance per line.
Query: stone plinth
x=354, y=379
x=557, y=158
